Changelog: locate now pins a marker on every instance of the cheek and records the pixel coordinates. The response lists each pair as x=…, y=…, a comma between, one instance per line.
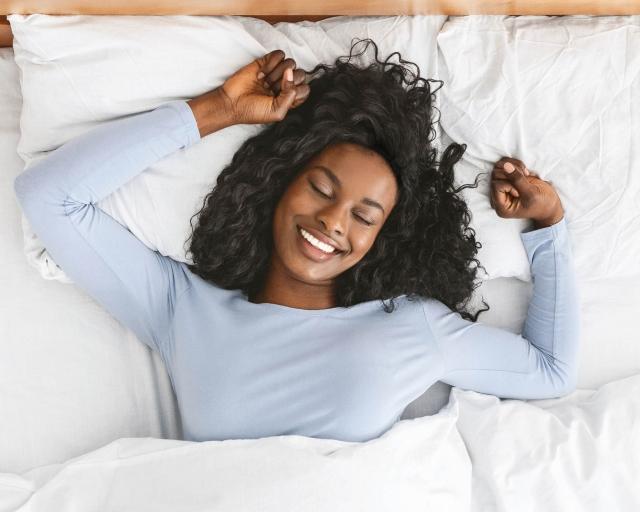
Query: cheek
x=361, y=242
x=296, y=201
x=289, y=204
x=300, y=202
x=292, y=206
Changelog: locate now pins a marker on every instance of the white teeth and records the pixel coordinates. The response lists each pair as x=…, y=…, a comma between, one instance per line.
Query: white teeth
x=317, y=243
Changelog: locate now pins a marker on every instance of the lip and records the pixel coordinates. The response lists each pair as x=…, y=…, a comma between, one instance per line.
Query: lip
x=312, y=252
x=322, y=237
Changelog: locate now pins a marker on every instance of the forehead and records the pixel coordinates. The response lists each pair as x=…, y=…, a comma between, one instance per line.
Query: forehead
x=360, y=169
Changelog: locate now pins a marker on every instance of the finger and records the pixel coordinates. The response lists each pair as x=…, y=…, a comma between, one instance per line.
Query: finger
x=520, y=182
x=299, y=76
x=515, y=161
x=283, y=101
x=518, y=164
x=275, y=77
x=302, y=90
x=269, y=61
x=499, y=173
x=501, y=187
x=494, y=192
x=302, y=93
x=526, y=171
x=504, y=187
x=505, y=200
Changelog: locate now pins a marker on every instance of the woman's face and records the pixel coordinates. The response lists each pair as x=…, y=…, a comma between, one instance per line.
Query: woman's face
x=343, y=197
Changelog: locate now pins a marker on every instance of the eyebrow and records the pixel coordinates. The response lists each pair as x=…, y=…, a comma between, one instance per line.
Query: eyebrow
x=338, y=183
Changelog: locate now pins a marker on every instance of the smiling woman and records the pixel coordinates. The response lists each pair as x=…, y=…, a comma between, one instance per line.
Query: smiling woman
x=342, y=372
x=335, y=210
x=353, y=166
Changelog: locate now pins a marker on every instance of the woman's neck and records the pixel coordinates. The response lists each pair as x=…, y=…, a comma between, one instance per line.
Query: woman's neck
x=281, y=288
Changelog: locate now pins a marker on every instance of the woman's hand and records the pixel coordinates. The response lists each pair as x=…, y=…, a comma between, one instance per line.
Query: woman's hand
x=261, y=92
x=518, y=193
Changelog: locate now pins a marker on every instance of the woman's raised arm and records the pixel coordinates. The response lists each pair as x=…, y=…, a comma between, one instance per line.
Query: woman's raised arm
x=540, y=363
x=136, y=285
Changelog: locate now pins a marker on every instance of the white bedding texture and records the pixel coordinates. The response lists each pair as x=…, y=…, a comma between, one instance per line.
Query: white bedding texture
x=576, y=453
x=88, y=420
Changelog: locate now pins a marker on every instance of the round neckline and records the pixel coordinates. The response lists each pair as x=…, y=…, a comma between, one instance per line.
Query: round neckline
x=238, y=295
x=337, y=310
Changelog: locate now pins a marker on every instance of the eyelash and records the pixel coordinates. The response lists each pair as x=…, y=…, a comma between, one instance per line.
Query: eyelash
x=328, y=197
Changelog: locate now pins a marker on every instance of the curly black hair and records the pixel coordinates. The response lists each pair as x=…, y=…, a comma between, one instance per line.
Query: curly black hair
x=424, y=249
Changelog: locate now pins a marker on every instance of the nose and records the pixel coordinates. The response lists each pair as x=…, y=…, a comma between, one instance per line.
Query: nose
x=333, y=219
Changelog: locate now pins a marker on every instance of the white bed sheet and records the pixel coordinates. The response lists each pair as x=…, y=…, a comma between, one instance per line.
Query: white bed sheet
x=478, y=454
x=71, y=377
x=415, y=462
x=561, y=93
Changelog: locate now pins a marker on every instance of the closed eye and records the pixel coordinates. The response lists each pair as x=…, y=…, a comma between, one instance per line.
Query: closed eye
x=320, y=192
x=364, y=221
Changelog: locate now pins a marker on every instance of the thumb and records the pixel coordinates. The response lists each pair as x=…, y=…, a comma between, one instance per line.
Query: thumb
x=282, y=103
x=518, y=180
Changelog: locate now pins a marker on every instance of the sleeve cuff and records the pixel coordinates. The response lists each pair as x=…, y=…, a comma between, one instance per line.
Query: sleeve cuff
x=556, y=233
x=547, y=232
x=188, y=119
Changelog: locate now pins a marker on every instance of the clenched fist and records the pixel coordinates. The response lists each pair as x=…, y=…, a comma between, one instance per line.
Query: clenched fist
x=518, y=193
x=264, y=90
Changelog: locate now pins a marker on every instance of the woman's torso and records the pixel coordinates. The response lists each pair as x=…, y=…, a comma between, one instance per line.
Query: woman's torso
x=245, y=370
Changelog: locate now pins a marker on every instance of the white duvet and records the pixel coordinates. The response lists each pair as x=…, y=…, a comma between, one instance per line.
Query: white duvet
x=577, y=453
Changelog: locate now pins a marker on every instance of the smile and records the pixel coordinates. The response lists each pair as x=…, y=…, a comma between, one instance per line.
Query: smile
x=313, y=248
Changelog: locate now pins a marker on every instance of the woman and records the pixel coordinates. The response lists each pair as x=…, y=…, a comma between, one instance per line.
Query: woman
x=276, y=328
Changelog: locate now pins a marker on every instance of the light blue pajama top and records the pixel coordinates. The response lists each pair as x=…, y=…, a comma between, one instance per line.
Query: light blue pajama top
x=244, y=370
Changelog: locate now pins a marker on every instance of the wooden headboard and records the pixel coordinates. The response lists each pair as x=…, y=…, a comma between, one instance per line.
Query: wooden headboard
x=313, y=10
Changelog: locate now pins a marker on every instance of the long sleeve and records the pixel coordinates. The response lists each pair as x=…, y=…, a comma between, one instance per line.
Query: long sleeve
x=137, y=285
x=540, y=363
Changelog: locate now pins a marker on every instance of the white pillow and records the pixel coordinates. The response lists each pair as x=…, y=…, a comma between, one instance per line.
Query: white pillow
x=78, y=72
x=559, y=93
x=579, y=452
x=416, y=464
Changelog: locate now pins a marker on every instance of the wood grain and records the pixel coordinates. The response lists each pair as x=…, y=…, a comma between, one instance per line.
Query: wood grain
x=6, y=37
x=312, y=10
x=306, y=8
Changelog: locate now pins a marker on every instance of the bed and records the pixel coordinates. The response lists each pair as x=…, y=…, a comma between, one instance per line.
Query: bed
x=89, y=419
